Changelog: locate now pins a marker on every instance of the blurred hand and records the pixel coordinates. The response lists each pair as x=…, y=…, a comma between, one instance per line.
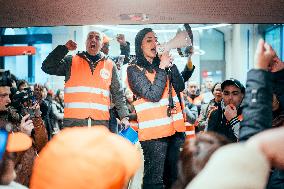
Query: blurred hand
x=276, y=65
x=121, y=39
x=270, y=142
x=26, y=125
x=125, y=122
x=71, y=45
x=263, y=56
x=275, y=103
x=185, y=94
x=166, y=60
x=36, y=108
x=230, y=112
x=212, y=107
x=190, y=52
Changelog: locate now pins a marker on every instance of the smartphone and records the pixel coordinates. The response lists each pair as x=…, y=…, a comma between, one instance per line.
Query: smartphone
x=129, y=134
x=3, y=142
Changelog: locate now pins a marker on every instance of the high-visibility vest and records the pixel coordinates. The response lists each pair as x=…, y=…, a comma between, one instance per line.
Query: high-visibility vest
x=87, y=94
x=197, y=100
x=189, y=128
x=134, y=125
x=153, y=121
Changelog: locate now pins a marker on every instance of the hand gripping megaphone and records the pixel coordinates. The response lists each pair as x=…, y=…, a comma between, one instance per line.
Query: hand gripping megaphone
x=181, y=40
x=187, y=51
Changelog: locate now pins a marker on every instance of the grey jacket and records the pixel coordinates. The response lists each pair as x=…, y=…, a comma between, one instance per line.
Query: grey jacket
x=57, y=63
x=191, y=112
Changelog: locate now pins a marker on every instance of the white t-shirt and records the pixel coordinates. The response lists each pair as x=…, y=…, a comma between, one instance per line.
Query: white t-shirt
x=13, y=185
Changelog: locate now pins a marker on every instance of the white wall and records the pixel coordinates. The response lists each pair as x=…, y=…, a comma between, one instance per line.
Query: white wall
x=239, y=55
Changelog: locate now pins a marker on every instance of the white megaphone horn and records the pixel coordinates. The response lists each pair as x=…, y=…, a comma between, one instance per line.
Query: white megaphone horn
x=179, y=41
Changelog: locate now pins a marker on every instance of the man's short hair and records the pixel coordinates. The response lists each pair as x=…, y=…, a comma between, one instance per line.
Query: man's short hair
x=5, y=79
x=100, y=33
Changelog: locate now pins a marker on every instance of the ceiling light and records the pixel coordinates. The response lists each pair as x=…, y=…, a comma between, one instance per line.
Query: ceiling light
x=128, y=29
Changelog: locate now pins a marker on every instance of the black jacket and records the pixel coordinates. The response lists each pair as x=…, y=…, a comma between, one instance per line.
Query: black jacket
x=257, y=104
x=278, y=87
x=187, y=73
x=258, y=111
x=218, y=123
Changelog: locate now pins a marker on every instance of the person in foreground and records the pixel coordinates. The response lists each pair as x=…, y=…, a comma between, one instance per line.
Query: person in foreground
x=195, y=154
x=97, y=159
x=248, y=164
x=10, y=144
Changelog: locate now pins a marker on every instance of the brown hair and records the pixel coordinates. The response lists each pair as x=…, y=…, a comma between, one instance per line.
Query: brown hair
x=195, y=154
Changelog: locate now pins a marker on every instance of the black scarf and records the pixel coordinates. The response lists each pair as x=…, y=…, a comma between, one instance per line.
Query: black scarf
x=141, y=61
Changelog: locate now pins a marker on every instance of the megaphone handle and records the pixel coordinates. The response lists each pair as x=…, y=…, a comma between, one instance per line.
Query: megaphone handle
x=189, y=31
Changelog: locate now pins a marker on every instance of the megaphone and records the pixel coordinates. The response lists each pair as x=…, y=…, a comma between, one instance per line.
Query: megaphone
x=181, y=40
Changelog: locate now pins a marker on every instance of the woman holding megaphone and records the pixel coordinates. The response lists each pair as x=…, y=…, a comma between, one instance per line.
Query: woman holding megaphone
x=156, y=83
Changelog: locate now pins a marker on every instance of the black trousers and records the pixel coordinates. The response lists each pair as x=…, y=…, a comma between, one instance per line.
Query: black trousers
x=160, y=161
x=276, y=179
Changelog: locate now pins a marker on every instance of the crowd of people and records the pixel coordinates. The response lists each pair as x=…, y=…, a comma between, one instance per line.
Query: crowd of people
x=189, y=137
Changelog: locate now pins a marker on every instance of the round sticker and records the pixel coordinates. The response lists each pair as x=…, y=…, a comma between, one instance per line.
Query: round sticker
x=104, y=73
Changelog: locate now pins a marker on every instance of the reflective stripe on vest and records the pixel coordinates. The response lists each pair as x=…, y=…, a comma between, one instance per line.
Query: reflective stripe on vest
x=150, y=105
x=190, y=130
x=85, y=105
x=87, y=94
x=134, y=125
x=152, y=118
x=160, y=122
x=82, y=89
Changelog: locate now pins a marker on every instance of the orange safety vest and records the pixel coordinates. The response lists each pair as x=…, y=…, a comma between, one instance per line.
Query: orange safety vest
x=134, y=125
x=197, y=100
x=189, y=128
x=152, y=118
x=87, y=94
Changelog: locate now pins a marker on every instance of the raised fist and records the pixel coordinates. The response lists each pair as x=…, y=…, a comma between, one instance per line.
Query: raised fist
x=121, y=39
x=263, y=56
x=71, y=45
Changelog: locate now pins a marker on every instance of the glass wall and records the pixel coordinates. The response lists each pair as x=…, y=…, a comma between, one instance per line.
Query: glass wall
x=274, y=36
x=212, y=63
x=213, y=58
x=21, y=66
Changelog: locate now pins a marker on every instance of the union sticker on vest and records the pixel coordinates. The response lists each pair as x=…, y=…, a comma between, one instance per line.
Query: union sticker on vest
x=104, y=73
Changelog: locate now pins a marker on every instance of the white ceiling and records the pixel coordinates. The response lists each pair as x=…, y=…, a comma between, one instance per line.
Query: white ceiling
x=24, y=13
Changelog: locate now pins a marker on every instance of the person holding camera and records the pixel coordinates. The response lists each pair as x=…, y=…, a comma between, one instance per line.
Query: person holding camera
x=12, y=121
x=90, y=79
